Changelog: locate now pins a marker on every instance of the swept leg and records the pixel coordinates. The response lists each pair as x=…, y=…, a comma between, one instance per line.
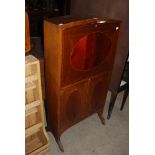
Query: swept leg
x=101, y=117
x=60, y=144
x=126, y=92
x=111, y=104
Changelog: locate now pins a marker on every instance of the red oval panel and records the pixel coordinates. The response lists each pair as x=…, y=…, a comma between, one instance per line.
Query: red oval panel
x=90, y=51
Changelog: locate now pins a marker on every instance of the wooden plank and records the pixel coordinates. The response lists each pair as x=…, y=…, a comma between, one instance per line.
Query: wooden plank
x=31, y=111
x=41, y=151
x=33, y=129
x=40, y=93
x=32, y=105
x=29, y=86
x=36, y=136
x=31, y=78
x=37, y=145
x=28, y=70
x=29, y=60
x=30, y=97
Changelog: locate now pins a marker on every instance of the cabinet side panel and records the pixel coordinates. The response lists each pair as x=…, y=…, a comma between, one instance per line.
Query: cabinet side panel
x=52, y=72
x=52, y=51
x=115, y=53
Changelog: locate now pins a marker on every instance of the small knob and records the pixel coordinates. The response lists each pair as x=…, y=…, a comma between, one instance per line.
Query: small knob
x=117, y=28
x=101, y=21
x=61, y=24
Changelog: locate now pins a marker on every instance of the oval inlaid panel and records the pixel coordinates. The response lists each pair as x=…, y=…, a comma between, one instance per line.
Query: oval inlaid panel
x=73, y=105
x=97, y=95
x=90, y=51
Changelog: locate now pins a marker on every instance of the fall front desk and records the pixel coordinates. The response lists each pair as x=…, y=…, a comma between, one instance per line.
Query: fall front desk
x=79, y=55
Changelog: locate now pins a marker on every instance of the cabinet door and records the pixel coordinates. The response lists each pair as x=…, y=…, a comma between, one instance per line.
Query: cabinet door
x=98, y=88
x=73, y=104
x=86, y=49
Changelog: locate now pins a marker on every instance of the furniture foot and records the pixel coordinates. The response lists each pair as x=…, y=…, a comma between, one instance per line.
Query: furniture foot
x=101, y=118
x=60, y=144
x=108, y=117
x=111, y=104
x=126, y=92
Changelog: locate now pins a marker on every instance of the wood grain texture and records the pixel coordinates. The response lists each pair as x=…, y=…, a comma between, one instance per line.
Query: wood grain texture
x=72, y=94
x=27, y=33
x=36, y=138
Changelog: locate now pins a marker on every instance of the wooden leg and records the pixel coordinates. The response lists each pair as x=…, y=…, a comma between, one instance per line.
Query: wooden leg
x=57, y=139
x=101, y=117
x=126, y=92
x=111, y=104
x=60, y=144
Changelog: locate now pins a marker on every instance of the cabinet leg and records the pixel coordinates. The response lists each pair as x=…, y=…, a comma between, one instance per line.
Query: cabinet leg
x=101, y=117
x=126, y=92
x=111, y=104
x=60, y=144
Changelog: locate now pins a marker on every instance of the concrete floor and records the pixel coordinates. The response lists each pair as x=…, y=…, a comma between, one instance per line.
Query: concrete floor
x=90, y=137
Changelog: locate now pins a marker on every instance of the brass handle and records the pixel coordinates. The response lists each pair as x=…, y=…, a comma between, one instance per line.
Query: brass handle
x=117, y=28
x=101, y=22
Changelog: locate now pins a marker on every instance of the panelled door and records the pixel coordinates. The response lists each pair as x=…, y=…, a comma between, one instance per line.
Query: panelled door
x=73, y=103
x=86, y=49
x=98, y=87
